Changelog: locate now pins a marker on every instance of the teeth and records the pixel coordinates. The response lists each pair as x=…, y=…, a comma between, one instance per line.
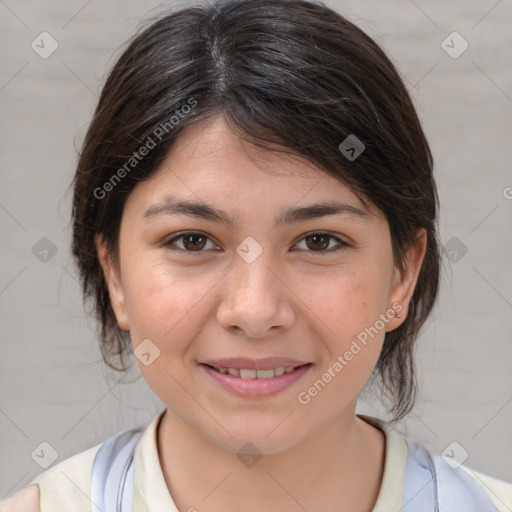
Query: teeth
x=249, y=374
x=256, y=374
x=234, y=372
x=265, y=374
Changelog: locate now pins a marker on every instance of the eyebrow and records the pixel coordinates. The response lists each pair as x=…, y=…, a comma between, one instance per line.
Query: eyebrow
x=174, y=206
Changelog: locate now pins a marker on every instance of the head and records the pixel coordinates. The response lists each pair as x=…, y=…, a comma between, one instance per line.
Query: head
x=236, y=106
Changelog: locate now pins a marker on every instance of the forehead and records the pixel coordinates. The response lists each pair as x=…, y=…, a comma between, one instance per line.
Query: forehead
x=208, y=163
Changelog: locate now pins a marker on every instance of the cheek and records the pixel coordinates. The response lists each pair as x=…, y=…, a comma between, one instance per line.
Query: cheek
x=347, y=298
x=163, y=304
x=161, y=307
x=349, y=305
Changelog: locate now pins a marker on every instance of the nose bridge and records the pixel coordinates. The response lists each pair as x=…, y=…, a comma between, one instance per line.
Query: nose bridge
x=252, y=266
x=254, y=299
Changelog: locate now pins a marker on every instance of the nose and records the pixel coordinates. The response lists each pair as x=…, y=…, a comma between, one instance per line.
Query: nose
x=256, y=299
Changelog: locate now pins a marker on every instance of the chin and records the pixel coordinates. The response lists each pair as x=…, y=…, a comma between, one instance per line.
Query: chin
x=254, y=438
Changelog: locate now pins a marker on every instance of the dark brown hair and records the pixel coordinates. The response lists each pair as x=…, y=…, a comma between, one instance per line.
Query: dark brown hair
x=289, y=75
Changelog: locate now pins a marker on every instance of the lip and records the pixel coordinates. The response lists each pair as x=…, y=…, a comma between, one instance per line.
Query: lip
x=256, y=388
x=267, y=363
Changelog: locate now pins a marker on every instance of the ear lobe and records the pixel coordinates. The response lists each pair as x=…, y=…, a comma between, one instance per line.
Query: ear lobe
x=113, y=280
x=403, y=285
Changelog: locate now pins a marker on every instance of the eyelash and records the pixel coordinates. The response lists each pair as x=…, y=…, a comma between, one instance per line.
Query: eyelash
x=325, y=252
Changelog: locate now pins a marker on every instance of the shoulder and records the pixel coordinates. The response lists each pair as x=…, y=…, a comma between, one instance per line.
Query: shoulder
x=499, y=491
x=69, y=482
x=457, y=484
x=428, y=474
x=65, y=483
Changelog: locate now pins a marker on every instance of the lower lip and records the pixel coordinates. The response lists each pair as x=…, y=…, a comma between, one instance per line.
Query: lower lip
x=256, y=388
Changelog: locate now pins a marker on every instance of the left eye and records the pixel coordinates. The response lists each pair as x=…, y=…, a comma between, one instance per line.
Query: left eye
x=194, y=241
x=321, y=240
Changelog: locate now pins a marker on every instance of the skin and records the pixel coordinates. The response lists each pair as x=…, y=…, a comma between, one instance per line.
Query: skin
x=290, y=301
x=25, y=500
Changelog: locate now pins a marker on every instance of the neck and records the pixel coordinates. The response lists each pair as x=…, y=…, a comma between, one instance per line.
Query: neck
x=338, y=468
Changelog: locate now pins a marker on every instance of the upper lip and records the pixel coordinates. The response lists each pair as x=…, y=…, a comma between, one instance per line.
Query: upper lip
x=267, y=363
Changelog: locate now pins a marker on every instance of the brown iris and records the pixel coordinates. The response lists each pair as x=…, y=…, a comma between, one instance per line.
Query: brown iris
x=188, y=239
x=315, y=239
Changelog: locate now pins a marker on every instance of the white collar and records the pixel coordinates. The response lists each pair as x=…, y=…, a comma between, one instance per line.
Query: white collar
x=152, y=495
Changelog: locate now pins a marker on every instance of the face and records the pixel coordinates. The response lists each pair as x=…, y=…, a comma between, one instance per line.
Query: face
x=192, y=289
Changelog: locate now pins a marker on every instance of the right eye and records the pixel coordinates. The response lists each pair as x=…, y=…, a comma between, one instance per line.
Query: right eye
x=193, y=241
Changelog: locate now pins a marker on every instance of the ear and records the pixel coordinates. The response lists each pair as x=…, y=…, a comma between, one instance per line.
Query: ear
x=402, y=288
x=114, y=284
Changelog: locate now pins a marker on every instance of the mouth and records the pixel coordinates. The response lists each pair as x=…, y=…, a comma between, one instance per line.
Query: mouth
x=248, y=374
x=255, y=384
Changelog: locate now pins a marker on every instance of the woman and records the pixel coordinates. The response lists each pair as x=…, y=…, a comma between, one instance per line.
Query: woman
x=255, y=215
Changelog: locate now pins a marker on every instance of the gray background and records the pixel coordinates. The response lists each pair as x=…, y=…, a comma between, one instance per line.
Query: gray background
x=53, y=386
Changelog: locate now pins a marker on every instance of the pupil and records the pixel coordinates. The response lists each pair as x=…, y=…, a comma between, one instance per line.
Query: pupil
x=191, y=237
x=315, y=237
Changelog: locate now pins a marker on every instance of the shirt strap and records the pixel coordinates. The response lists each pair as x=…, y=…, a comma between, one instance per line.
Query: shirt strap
x=433, y=484
x=112, y=473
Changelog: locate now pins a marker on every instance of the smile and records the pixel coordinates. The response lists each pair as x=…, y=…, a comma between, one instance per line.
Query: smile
x=255, y=374
x=249, y=383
